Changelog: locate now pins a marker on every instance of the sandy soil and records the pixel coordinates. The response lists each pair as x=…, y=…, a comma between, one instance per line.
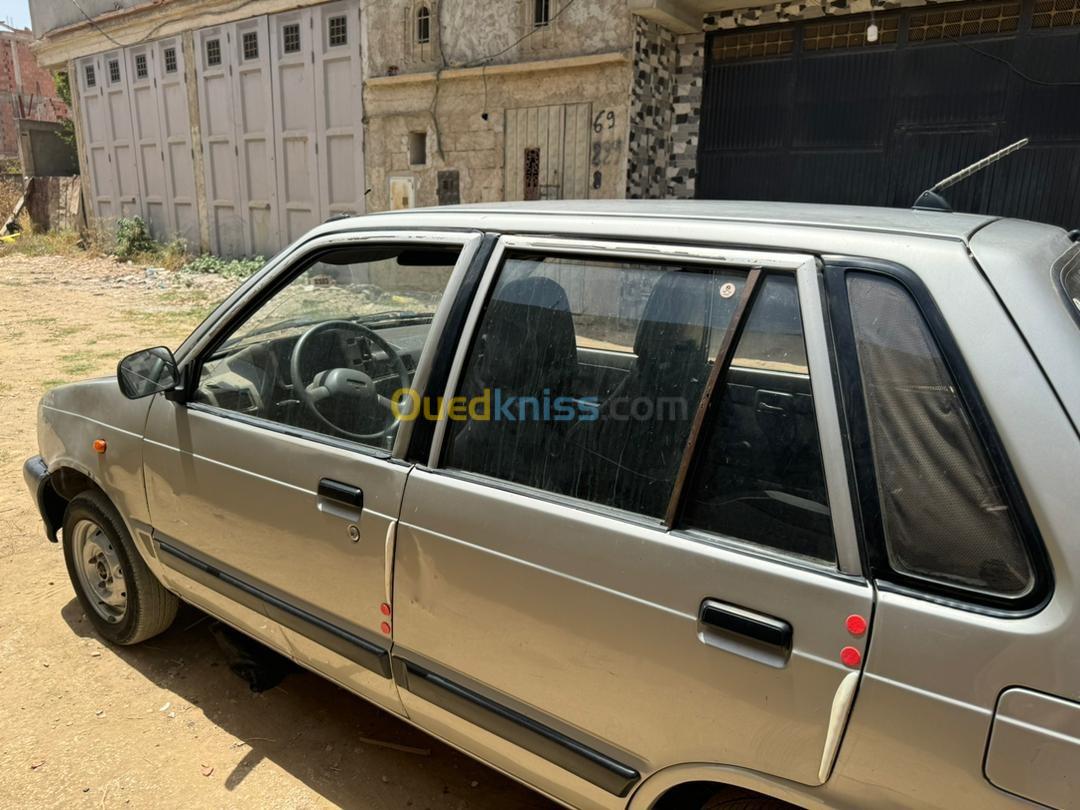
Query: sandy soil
x=164, y=724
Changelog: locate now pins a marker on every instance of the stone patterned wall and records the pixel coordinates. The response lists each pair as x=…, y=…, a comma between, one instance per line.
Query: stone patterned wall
x=686, y=121
x=690, y=69
x=651, y=111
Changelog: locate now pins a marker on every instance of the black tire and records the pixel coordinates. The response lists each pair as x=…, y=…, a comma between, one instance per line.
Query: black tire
x=150, y=609
x=732, y=798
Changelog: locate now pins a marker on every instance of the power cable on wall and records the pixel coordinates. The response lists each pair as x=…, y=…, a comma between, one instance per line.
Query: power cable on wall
x=1013, y=68
x=482, y=63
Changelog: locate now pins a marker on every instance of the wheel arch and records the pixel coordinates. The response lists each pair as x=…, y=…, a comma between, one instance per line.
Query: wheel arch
x=64, y=483
x=678, y=785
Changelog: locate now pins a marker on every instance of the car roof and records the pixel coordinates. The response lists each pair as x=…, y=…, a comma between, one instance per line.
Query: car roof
x=845, y=217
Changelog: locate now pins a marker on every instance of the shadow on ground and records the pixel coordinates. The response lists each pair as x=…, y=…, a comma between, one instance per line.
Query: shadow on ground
x=311, y=728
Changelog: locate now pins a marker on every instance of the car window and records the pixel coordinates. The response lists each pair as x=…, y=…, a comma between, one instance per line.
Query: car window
x=758, y=474
x=592, y=370
x=945, y=512
x=330, y=350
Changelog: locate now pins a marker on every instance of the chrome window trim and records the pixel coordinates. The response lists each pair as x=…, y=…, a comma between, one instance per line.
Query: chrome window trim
x=287, y=264
x=807, y=272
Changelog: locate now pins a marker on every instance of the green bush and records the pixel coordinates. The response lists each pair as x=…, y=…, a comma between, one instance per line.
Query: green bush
x=133, y=238
x=230, y=268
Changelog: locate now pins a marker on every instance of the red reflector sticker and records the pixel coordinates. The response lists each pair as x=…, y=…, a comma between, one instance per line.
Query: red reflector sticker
x=856, y=625
x=384, y=609
x=850, y=656
x=385, y=627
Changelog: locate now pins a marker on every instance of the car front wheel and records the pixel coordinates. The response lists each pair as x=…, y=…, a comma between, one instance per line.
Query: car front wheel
x=121, y=597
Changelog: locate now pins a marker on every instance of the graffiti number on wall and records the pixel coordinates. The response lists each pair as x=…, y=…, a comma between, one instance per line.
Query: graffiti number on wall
x=605, y=119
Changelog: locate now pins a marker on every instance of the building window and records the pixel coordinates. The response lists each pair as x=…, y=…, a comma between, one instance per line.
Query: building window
x=213, y=51
x=541, y=13
x=532, y=174
x=417, y=148
x=448, y=189
x=141, y=69
x=338, y=31
x=290, y=38
x=91, y=76
x=170, y=60
x=114, y=71
x=423, y=25
x=251, y=45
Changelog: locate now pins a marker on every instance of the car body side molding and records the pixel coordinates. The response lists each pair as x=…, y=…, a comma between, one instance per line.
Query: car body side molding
x=554, y=746
x=358, y=650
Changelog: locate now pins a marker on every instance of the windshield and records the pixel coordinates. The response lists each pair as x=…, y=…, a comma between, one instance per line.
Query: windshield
x=1070, y=281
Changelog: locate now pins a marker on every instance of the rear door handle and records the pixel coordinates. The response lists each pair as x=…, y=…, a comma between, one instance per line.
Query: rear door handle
x=344, y=494
x=754, y=635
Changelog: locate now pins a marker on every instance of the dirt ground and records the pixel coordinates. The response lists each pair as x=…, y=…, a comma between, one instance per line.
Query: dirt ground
x=163, y=724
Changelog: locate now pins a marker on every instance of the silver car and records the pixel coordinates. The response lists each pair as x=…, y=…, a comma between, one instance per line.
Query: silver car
x=647, y=505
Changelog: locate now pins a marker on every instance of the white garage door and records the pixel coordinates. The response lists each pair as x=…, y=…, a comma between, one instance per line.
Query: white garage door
x=106, y=120
x=281, y=105
x=280, y=114
x=294, y=113
x=176, y=136
x=134, y=110
x=233, y=70
x=149, y=146
x=339, y=104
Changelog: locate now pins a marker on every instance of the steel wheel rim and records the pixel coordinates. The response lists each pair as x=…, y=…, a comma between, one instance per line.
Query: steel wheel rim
x=100, y=572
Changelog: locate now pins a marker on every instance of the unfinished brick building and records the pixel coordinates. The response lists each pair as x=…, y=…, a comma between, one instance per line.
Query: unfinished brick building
x=26, y=90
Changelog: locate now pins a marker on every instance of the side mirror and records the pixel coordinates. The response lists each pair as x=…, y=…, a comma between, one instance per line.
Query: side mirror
x=148, y=372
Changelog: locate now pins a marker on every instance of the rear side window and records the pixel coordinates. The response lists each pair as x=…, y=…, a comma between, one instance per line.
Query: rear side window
x=585, y=376
x=591, y=371
x=945, y=513
x=759, y=475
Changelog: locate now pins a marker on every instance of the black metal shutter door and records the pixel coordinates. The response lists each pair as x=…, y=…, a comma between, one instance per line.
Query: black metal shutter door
x=835, y=120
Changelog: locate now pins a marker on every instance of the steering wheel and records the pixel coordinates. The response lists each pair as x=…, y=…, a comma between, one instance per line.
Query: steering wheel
x=345, y=383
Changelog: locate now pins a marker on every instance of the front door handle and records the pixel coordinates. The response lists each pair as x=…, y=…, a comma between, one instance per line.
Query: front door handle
x=754, y=635
x=344, y=494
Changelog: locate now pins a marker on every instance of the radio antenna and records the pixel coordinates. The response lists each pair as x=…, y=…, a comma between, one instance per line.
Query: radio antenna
x=931, y=199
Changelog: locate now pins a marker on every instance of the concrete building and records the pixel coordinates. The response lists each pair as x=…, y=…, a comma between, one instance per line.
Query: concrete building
x=26, y=91
x=238, y=126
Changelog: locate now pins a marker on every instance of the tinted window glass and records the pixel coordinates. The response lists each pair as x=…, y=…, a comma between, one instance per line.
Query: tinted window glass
x=592, y=370
x=946, y=517
x=329, y=351
x=758, y=475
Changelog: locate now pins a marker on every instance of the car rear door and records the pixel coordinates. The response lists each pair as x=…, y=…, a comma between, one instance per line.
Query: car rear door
x=579, y=600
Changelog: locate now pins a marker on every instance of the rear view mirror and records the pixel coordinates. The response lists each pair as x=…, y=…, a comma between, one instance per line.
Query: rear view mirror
x=147, y=372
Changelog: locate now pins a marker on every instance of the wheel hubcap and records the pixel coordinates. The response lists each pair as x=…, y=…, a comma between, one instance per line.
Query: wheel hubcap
x=100, y=573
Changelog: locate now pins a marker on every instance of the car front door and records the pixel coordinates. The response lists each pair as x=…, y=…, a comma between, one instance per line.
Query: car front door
x=273, y=490
x=581, y=598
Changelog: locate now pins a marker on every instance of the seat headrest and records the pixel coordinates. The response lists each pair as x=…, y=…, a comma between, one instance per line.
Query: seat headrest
x=675, y=318
x=528, y=327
